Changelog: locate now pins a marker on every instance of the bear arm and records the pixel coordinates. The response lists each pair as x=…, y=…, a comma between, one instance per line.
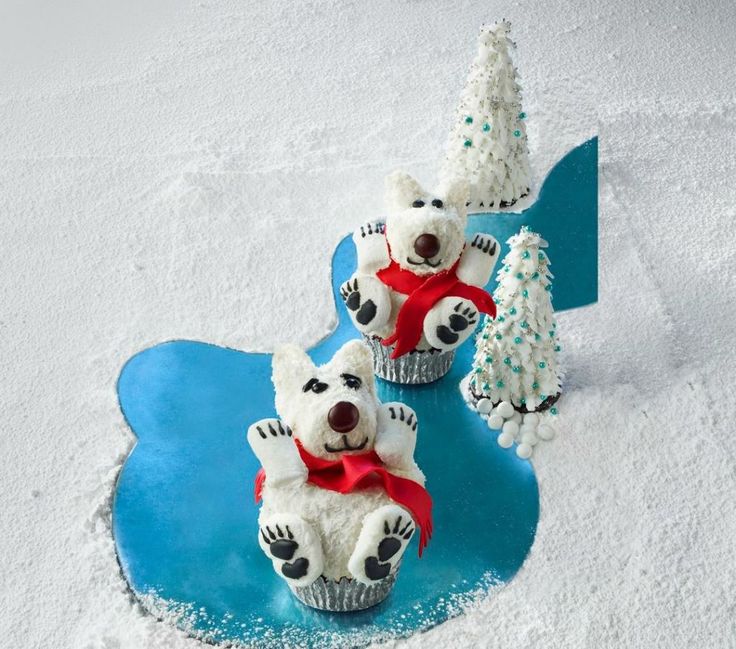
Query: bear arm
x=371, y=247
x=397, y=436
x=273, y=444
x=478, y=260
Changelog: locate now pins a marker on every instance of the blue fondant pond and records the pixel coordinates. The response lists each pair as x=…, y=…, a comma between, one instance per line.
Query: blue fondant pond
x=184, y=518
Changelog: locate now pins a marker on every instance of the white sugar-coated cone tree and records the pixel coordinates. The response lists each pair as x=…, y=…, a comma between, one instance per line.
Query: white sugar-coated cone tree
x=487, y=145
x=516, y=356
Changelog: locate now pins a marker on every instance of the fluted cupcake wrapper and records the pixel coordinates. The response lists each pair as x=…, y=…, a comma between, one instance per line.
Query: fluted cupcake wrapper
x=344, y=595
x=413, y=368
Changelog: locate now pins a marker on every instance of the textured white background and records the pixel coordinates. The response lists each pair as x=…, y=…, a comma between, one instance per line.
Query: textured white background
x=186, y=171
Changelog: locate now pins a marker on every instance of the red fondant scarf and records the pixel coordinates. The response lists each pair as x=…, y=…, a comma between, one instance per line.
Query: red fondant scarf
x=356, y=472
x=424, y=293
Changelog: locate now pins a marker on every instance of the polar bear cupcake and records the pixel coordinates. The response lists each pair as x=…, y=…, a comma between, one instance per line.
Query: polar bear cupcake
x=342, y=495
x=417, y=293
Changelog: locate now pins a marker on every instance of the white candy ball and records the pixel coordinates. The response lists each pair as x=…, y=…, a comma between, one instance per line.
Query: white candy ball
x=511, y=427
x=545, y=431
x=529, y=438
x=524, y=451
x=505, y=409
x=505, y=440
x=516, y=417
x=531, y=418
x=526, y=428
x=495, y=422
x=484, y=406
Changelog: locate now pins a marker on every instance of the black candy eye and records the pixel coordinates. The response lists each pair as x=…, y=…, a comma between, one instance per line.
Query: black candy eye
x=352, y=381
x=418, y=203
x=437, y=203
x=313, y=385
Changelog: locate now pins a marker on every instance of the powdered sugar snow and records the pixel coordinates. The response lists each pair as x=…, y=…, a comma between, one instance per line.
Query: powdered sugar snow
x=186, y=173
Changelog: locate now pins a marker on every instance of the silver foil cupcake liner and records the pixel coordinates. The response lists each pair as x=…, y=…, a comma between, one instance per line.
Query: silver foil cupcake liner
x=413, y=368
x=344, y=595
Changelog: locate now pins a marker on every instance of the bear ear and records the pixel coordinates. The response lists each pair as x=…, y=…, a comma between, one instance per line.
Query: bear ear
x=355, y=357
x=401, y=191
x=456, y=194
x=292, y=368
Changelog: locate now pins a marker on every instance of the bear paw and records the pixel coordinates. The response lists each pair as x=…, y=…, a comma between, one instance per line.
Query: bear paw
x=367, y=301
x=450, y=322
x=293, y=547
x=383, y=539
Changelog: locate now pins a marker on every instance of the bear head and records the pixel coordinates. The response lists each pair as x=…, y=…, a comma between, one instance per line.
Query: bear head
x=425, y=230
x=331, y=409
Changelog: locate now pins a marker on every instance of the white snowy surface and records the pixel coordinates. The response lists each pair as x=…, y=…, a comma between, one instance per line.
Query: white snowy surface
x=187, y=171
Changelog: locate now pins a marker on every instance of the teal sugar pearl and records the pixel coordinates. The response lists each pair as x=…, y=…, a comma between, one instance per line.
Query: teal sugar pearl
x=519, y=275
x=517, y=340
x=553, y=411
x=468, y=143
x=469, y=119
x=499, y=384
x=516, y=369
x=526, y=254
x=498, y=336
x=542, y=365
x=486, y=127
x=512, y=310
x=507, y=361
x=522, y=115
x=517, y=133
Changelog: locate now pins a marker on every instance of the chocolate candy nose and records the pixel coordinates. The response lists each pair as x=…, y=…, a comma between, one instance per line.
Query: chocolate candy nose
x=343, y=417
x=427, y=245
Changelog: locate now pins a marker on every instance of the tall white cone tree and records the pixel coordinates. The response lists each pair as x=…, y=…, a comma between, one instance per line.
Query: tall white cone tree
x=487, y=145
x=516, y=354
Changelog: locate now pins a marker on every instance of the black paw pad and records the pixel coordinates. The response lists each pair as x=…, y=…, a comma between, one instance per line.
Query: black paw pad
x=353, y=301
x=283, y=549
x=281, y=543
x=366, y=313
x=446, y=335
x=375, y=570
x=458, y=322
x=388, y=548
x=296, y=570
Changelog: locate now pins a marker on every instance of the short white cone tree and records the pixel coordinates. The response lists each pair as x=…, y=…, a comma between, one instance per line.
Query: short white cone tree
x=516, y=356
x=487, y=145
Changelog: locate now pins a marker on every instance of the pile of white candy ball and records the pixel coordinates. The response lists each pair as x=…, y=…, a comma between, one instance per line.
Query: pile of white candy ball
x=526, y=430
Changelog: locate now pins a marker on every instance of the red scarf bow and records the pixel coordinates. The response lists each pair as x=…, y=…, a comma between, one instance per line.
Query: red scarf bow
x=424, y=293
x=354, y=472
